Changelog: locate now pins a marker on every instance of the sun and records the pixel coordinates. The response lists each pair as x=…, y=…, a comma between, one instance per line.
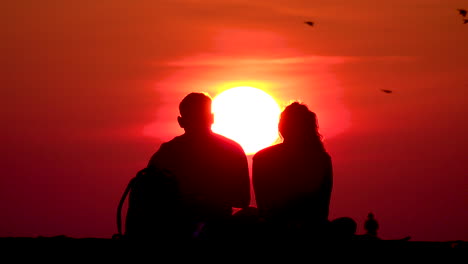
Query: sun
x=248, y=116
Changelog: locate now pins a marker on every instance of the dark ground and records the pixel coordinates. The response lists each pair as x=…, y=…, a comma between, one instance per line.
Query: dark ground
x=363, y=244
x=94, y=250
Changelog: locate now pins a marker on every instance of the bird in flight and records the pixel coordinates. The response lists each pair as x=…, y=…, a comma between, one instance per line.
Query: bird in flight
x=462, y=12
x=310, y=23
x=386, y=91
x=465, y=21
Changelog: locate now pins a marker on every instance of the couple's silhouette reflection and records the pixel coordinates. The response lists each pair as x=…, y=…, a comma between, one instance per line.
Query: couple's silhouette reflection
x=292, y=180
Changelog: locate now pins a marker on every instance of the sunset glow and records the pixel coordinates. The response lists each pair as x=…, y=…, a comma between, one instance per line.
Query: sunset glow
x=91, y=90
x=247, y=115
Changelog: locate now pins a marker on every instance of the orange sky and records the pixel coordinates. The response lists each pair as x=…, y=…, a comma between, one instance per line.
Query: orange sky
x=90, y=90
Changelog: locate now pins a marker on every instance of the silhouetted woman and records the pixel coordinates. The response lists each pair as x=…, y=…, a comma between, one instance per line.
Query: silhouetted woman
x=293, y=180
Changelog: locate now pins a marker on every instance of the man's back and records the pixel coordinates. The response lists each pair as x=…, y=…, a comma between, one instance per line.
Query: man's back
x=212, y=173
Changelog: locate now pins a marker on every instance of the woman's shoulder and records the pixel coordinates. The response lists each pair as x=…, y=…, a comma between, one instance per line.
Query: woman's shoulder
x=269, y=151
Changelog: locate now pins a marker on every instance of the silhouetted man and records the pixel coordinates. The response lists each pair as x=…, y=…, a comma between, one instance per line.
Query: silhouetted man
x=211, y=170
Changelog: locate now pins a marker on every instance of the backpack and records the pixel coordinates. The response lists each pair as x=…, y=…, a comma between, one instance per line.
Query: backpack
x=154, y=209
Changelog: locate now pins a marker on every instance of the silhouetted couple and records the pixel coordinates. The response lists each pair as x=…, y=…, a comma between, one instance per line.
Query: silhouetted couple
x=292, y=180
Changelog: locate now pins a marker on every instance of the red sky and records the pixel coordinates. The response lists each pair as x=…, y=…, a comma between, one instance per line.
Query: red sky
x=90, y=89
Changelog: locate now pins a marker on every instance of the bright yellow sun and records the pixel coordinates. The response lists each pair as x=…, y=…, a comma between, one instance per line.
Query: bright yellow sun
x=248, y=116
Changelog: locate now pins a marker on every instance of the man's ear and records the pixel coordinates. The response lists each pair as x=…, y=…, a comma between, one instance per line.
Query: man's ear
x=211, y=118
x=180, y=120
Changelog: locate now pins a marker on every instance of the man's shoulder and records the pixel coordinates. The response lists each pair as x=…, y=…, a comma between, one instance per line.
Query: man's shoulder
x=174, y=141
x=226, y=142
x=222, y=138
x=170, y=145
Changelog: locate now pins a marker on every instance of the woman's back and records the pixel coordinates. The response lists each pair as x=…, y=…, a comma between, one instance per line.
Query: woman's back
x=293, y=180
x=292, y=183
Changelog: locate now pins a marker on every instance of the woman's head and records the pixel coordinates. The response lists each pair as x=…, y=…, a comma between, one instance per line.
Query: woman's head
x=299, y=124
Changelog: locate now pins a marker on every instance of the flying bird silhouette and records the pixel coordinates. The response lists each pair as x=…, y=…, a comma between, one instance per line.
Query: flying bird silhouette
x=310, y=23
x=386, y=91
x=465, y=21
x=462, y=12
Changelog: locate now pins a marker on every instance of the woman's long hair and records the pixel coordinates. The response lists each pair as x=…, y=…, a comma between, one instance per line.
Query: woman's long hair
x=299, y=124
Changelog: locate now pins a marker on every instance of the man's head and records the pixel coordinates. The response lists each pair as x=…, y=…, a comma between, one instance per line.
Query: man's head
x=195, y=113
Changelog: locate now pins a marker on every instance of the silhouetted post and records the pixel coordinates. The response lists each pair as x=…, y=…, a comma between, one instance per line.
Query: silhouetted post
x=371, y=225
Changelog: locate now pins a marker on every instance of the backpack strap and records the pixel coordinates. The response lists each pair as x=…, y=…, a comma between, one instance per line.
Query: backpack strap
x=121, y=203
